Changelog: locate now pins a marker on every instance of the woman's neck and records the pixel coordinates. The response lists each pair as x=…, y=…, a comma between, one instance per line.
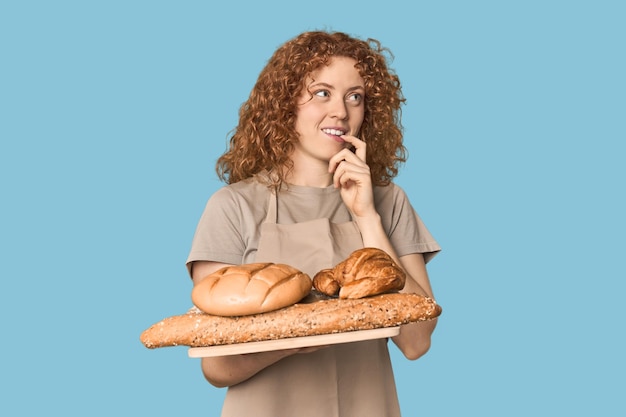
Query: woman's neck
x=310, y=175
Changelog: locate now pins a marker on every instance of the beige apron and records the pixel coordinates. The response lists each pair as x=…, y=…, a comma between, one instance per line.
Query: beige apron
x=346, y=380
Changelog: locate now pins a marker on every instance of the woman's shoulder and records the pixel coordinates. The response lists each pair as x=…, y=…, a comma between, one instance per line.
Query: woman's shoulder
x=251, y=189
x=391, y=191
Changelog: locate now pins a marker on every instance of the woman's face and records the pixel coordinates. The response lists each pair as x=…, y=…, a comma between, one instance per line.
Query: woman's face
x=331, y=105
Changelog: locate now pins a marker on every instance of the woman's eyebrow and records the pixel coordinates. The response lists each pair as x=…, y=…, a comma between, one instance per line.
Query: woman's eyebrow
x=331, y=87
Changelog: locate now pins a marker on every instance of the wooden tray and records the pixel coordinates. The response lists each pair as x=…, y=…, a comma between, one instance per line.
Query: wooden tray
x=294, y=342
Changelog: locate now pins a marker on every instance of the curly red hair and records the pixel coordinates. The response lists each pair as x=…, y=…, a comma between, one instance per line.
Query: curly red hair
x=265, y=136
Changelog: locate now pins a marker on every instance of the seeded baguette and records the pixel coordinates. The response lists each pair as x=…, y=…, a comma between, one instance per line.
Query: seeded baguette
x=198, y=329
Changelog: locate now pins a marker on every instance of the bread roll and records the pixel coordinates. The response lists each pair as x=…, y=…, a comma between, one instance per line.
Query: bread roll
x=250, y=289
x=366, y=272
x=198, y=329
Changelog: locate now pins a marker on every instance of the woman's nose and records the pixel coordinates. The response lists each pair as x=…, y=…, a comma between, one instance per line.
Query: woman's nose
x=339, y=109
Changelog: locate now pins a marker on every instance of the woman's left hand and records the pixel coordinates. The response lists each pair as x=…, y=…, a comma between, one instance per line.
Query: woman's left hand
x=352, y=174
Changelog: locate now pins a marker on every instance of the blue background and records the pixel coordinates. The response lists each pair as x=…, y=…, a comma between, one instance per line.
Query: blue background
x=112, y=115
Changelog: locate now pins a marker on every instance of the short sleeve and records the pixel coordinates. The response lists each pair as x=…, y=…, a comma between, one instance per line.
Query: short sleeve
x=406, y=230
x=218, y=234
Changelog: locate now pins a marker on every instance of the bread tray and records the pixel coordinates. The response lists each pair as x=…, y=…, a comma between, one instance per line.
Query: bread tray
x=293, y=342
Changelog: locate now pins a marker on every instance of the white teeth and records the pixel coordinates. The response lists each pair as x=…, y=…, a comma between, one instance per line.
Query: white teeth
x=334, y=132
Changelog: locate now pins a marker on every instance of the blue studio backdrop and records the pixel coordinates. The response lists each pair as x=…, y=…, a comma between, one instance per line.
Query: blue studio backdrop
x=112, y=115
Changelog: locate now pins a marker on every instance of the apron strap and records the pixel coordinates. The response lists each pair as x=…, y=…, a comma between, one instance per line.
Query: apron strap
x=272, y=208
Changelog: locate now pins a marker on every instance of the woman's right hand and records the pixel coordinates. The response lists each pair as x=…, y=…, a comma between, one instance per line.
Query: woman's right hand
x=352, y=175
x=224, y=371
x=308, y=349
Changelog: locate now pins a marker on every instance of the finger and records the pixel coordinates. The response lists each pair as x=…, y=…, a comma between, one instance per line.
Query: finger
x=348, y=173
x=338, y=158
x=359, y=146
x=342, y=174
x=344, y=155
x=338, y=172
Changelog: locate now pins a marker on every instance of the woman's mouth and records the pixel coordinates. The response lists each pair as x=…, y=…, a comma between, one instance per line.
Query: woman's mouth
x=335, y=133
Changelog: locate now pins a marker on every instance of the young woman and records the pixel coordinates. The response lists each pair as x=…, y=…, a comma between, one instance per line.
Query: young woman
x=308, y=175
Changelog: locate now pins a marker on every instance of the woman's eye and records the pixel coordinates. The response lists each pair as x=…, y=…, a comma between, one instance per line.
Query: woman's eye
x=355, y=97
x=322, y=93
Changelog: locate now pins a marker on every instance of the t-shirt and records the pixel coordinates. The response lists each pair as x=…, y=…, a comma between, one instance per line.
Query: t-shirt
x=228, y=230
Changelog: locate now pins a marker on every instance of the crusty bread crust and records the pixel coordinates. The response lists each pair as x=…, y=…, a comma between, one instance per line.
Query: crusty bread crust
x=198, y=329
x=365, y=272
x=253, y=288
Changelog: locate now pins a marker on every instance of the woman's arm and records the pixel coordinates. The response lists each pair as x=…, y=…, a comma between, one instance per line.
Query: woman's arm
x=223, y=371
x=414, y=338
x=352, y=175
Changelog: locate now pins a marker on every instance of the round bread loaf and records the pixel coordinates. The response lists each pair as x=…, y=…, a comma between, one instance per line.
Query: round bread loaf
x=241, y=290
